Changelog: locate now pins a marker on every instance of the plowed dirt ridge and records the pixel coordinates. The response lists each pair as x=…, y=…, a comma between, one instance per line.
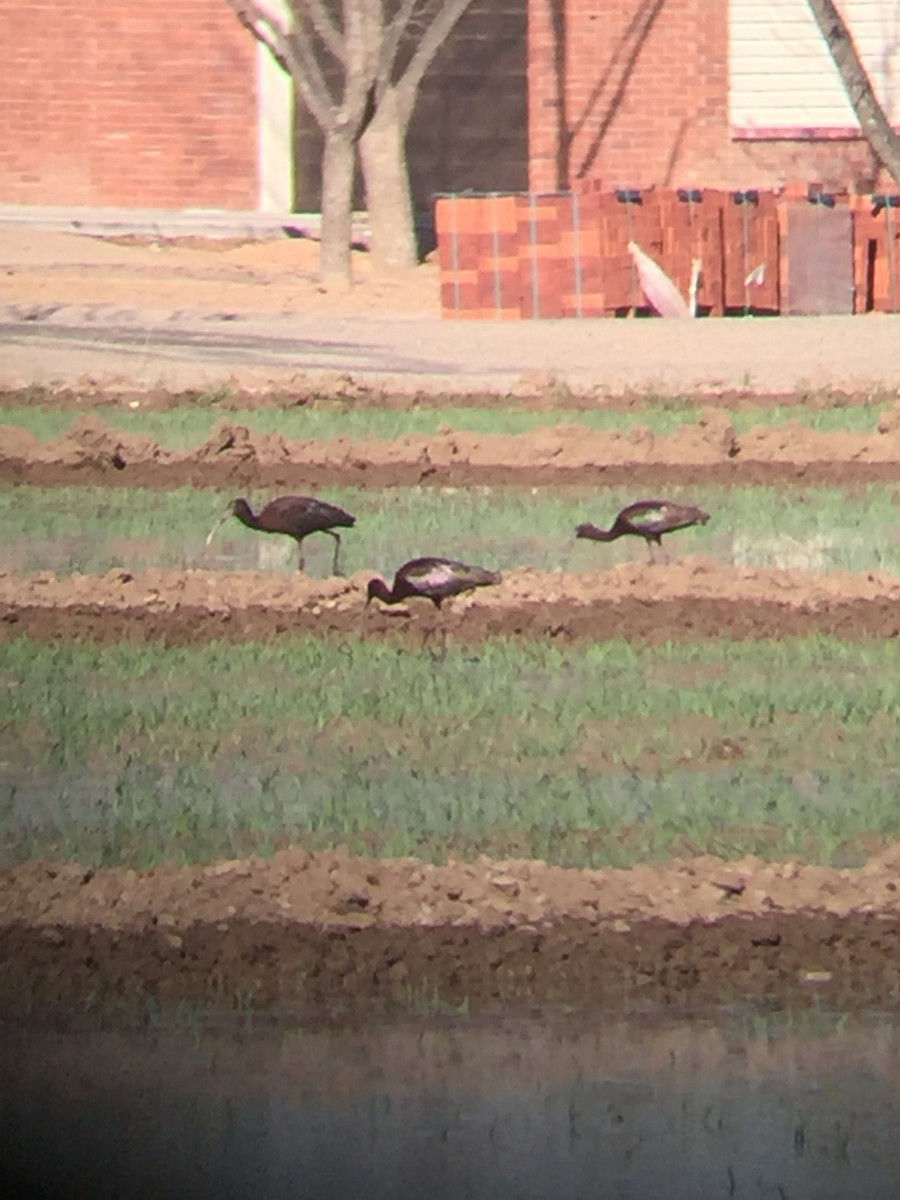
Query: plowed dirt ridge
x=696, y=597
x=317, y=931
x=709, y=452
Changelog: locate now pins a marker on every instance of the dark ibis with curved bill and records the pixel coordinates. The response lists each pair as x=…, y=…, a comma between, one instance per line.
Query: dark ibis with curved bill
x=293, y=516
x=434, y=579
x=648, y=519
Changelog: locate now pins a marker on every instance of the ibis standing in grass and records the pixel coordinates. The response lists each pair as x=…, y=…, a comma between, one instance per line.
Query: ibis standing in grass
x=434, y=579
x=294, y=516
x=648, y=519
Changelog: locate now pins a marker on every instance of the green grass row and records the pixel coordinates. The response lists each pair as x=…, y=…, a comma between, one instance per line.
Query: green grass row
x=185, y=428
x=97, y=529
x=605, y=754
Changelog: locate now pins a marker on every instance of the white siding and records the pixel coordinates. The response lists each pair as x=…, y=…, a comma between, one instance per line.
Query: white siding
x=781, y=73
x=274, y=128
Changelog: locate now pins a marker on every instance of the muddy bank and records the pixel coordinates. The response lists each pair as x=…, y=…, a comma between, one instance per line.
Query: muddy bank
x=696, y=597
x=328, y=932
x=234, y=456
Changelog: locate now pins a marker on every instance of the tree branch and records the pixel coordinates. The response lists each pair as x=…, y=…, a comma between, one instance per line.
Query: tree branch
x=393, y=35
x=873, y=120
x=436, y=33
x=291, y=45
x=325, y=26
x=309, y=77
x=361, y=44
x=265, y=27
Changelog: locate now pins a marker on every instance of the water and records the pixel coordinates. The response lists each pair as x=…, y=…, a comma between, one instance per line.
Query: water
x=655, y=1107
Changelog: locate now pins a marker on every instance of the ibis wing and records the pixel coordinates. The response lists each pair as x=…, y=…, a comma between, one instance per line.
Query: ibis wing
x=444, y=576
x=433, y=573
x=662, y=516
x=643, y=516
x=331, y=513
x=304, y=514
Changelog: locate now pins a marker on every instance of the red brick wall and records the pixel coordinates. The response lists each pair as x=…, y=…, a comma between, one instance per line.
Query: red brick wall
x=635, y=92
x=126, y=102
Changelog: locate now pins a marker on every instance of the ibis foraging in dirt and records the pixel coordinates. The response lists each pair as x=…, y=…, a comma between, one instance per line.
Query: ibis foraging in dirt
x=295, y=517
x=433, y=579
x=648, y=519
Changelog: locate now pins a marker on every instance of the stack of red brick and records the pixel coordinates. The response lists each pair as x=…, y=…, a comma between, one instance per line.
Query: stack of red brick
x=566, y=255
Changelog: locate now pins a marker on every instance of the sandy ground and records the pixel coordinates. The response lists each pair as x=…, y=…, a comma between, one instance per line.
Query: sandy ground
x=82, y=308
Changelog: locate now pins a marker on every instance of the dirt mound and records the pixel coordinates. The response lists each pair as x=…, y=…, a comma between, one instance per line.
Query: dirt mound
x=311, y=929
x=276, y=276
x=92, y=443
x=707, y=452
x=695, y=597
x=90, y=452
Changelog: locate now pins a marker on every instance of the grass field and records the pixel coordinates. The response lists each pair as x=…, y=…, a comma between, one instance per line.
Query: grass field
x=605, y=754
x=186, y=428
x=96, y=529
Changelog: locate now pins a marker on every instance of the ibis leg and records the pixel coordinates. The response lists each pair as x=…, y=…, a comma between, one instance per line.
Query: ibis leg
x=337, y=549
x=439, y=652
x=302, y=563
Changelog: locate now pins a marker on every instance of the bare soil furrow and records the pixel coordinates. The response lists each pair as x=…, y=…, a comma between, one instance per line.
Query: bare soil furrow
x=533, y=394
x=694, y=598
x=302, y=929
x=234, y=456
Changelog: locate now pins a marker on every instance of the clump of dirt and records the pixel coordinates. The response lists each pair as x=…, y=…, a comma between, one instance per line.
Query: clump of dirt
x=238, y=446
x=90, y=452
x=707, y=452
x=890, y=421
x=315, y=929
x=696, y=597
x=92, y=443
x=712, y=439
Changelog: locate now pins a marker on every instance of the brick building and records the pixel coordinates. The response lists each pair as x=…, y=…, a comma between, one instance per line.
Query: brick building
x=721, y=93
x=153, y=103
x=156, y=104
x=127, y=102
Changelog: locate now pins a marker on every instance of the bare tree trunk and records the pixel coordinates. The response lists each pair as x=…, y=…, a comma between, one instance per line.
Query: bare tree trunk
x=382, y=151
x=876, y=128
x=343, y=56
x=338, y=164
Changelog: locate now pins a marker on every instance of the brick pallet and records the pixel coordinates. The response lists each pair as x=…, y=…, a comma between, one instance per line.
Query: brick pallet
x=567, y=254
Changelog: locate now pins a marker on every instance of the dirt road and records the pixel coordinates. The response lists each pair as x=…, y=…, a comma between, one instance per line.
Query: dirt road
x=76, y=307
